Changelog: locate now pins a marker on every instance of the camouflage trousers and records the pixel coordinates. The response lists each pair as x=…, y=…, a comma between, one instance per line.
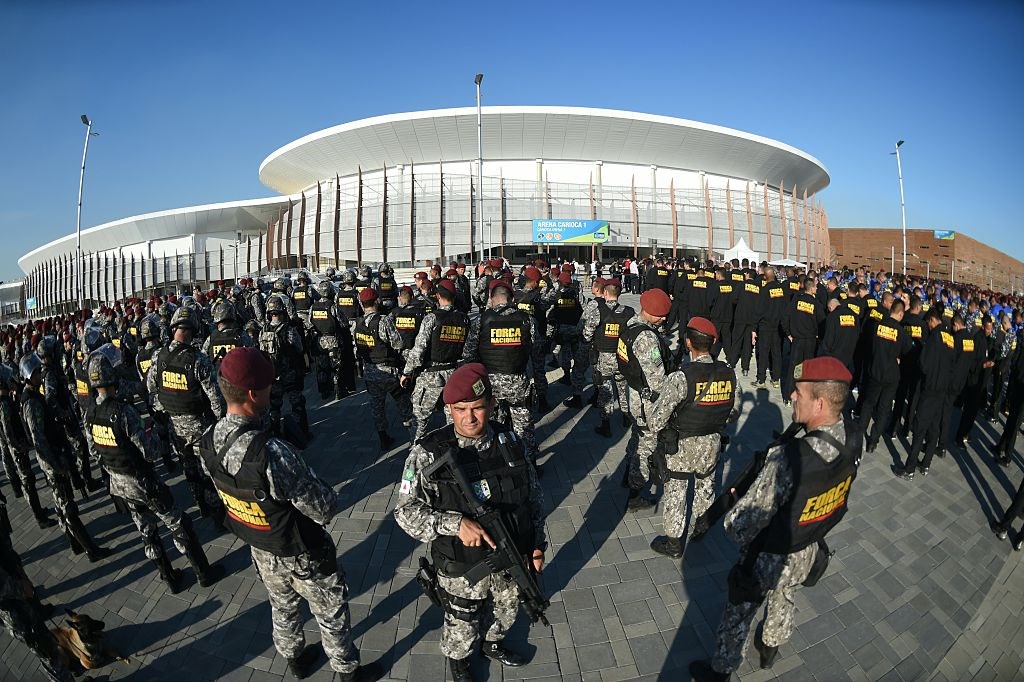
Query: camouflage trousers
x=607, y=377
x=538, y=352
x=185, y=431
x=289, y=581
x=21, y=619
x=569, y=356
x=146, y=513
x=497, y=603
x=381, y=381
x=63, y=495
x=783, y=573
x=425, y=397
x=511, y=392
x=18, y=467
x=673, y=502
x=289, y=385
x=640, y=446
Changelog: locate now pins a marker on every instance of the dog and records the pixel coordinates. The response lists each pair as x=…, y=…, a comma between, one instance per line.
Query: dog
x=81, y=643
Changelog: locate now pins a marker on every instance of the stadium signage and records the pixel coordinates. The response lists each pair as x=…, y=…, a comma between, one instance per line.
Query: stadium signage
x=570, y=231
x=944, y=234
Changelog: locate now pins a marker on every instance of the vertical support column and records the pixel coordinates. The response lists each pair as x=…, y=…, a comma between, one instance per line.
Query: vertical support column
x=782, y=219
x=599, y=189
x=796, y=220
x=675, y=216
x=504, y=215
x=593, y=214
x=316, y=228
x=807, y=233
x=359, y=219
x=288, y=234
x=337, y=221
x=412, y=212
x=440, y=215
x=248, y=256
x=539, y=170
x=278, y=230
x=124, y=278
x=707, y=212
x=384, y=221
x=636, y=226
x=750, y=219
x=767, y=224
x=259, y=253
x=653, y=217
x=268, y=254
x=728, y=209
x=300, y=250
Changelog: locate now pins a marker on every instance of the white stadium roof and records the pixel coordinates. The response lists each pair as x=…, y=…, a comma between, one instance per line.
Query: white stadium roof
x=562, y=133
x=230, y=216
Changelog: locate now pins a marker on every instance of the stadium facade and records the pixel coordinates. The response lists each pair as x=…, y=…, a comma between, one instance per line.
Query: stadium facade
x=403, y=188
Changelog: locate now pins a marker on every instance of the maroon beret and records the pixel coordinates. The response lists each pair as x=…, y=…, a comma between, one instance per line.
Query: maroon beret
x=247, y=369
x=555, y=269
x=656, y=302
x=703, y=325
x=565, y=278
x=496, y=263
x=420, y=275
x=460, y=265
x=612, y=282
x=531, y=273
x=435, y=266
x=825, y=368
x=405, y=289
x=453, y=265
x=568, y=267
x=495, y=283
x=447, y=285
x=467, y=384
x=449, y=272
x=367, y=295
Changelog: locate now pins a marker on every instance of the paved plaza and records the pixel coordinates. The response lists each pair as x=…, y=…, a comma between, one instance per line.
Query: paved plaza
x=918, y=589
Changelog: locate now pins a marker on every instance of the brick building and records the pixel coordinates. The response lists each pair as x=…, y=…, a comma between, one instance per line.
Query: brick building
x=939, y=253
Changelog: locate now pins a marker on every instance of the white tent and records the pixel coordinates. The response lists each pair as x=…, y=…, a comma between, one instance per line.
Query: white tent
x=740, y=251
x=788, y=263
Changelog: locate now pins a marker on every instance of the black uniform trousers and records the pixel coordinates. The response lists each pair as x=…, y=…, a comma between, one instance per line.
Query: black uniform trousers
x=799, y=350
x=973, y=398
x=1016, y=508
x=1000, y=384
x=742, y=345
x=903, y=401
x=724, y=342
x=876, y=406
x=769, y=351
x=1015, y=398
x=927, y=428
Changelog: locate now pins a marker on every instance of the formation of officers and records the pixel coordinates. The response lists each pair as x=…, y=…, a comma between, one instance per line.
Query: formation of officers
x=200, y=383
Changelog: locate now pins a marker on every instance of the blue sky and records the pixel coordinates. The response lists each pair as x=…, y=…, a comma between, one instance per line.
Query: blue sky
x=190, y=97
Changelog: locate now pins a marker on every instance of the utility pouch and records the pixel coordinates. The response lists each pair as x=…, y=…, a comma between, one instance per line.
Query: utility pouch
x=426, y=576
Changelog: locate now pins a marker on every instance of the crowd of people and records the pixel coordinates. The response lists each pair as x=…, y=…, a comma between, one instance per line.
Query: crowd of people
x=119, y=398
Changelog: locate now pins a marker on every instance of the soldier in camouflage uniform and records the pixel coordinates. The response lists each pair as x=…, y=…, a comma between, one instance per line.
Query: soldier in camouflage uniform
x=55, y=458
x=281, y=340
x=12, y=433
x=430, y=511
x=564, y=316
x=534, y=299
x=126, y=450
x=181, y=383
x=228, y=333
x=335, y=363
x=507, y=363
x=602, y=321
x=692, y=408
x=280, y=507
x=781, y=521
x=642, y=356
x=379, y=347
x=438, y=348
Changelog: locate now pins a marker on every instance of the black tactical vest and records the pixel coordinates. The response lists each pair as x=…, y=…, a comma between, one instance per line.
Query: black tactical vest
x=251, y=513
x=629, y=367
x=347, y=301
x=144, y=360
x=566, y=309
x=709, y=399
x=448, y=338
x=504, y=341
x=387, y=288
x=116, y=450
x=303, y=299
x=370, y=347
x=223, y=341
x=52, y=429
x=321, y=318
x=818, y=501
x=179, y=389
x=83, y=394
x=500, y=478
x=529, y=302
x=407, y=322
x=606, y=338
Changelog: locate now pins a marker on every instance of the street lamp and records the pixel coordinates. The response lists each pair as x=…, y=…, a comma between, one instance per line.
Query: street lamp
x=78, y=226
x=903, y=206
x=479, y=166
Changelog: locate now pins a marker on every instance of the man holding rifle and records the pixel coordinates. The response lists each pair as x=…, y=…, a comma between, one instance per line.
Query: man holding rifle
x=471, y=492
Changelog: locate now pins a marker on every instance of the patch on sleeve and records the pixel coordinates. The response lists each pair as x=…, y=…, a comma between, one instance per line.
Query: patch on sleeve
x=406, y=487
x=656, y=354
x=409, y=475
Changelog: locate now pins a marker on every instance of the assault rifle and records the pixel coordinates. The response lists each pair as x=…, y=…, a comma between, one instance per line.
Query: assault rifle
x=505, y=556
x=741, y=484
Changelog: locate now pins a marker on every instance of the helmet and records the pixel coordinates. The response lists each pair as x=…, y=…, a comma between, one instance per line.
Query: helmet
x=223, y=311
x=348, y=277
x=92, y=338
x=281, y=285
x=386, y=270
x=236, y=291
x=325, y=289
x=184, y=317
x=46, y=349
x=189, y=302
x=330, y=273
x=275, y=305
x=6, y=377
x=365, y=272
x=303, y=277
x=149, y=328
x=166, y=309
x=30, y=362
x=102, y=364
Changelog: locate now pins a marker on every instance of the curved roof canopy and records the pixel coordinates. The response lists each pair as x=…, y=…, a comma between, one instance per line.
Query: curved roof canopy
x=564, y=133
x=231, y=216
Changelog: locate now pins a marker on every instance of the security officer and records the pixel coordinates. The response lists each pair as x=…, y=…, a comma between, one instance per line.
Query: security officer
x=1014, y=511
x=769, y=342
x=890, y=343
x=227, y=335
x=780, y=524
x=602, y=325
x=181, y=384
x=642, y=356
x=692, y=408
x=386, y=287
x=723, y=300
x=123, y=447
x=282, y=343
x=910, y=369
x=800, y=325
x=534, y=302
x=501, y=339
x=407, y=316
x=55, y=456
x=974, y=392
x=12, y=433
x=336, y=362
x=347, y=298
x=379, y=346
x=279, y=507
x=438, y=348
x=564, y=317
x=745, y=319
x=364, y=278
x=482, y=285
x=435, y=511
x=842, y=330
x=303, y=297
x=149, y=344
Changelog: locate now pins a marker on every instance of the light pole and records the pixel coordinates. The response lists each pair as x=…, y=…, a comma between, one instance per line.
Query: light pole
x=479, y=165
x=78, y=226
x=903, y=206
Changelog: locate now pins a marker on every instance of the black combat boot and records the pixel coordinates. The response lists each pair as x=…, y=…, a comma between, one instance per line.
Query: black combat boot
x=768, y=653
x=637, y=502
x=574, y=401
x=497, y=651
x=386, y=441
x=41, y=514
x=206, y=574
x=459, y=668
x=168, y=573
x=168, y=457
x=603, y=429
x=669, y=546
x=302, y=665
x=81, y=535
x=303, y=420
x=999, y=529
x=627, y=420
x=543, y=405
x=565, y=379
x=701, y=671
x=76, y=548
x=371, y=672
x=340, y=393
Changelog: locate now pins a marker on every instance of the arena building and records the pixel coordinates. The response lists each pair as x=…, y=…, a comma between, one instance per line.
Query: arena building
x=940, y=254
x=404, y=188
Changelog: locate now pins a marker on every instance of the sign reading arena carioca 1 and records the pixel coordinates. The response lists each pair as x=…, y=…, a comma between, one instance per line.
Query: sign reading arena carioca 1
x=570, y=231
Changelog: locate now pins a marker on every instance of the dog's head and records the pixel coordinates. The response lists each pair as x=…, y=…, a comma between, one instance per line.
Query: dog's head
x=86, y=627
